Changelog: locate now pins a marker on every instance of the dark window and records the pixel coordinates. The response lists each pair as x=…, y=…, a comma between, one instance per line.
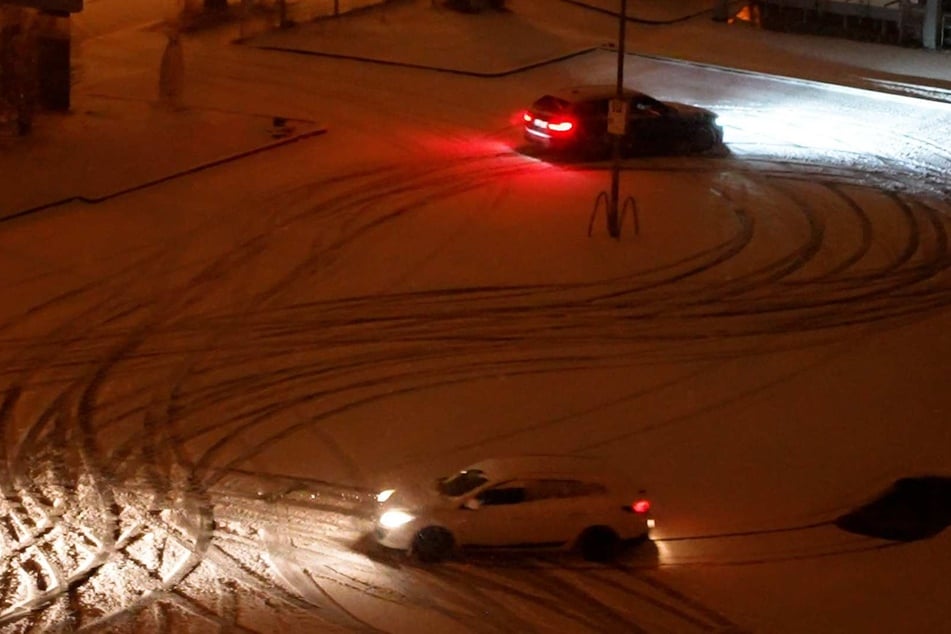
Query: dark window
x=591, y=108
x=648, y=105
x=462, y=482
x=502, y=495
x=551, y=105
x=547, y=489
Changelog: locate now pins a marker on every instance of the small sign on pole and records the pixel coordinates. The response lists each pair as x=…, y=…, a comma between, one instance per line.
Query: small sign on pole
x=617, y=117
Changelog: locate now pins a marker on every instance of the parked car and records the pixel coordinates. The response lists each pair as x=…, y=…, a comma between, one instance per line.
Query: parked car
x=575, y=121
x=517, y=502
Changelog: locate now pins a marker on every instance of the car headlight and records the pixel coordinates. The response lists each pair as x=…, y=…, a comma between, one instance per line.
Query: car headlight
x=384, y=495
x=395, y=519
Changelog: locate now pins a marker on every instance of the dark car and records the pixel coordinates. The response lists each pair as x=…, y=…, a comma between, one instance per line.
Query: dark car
x=575, y=121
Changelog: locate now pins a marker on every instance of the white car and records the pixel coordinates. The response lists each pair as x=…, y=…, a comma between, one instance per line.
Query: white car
x=519, y=502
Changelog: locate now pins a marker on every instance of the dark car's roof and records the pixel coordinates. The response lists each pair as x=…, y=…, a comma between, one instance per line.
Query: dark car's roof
x=566, y=98
x=594, y=92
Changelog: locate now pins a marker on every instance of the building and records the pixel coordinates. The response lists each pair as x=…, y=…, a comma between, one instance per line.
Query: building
x=925, y=23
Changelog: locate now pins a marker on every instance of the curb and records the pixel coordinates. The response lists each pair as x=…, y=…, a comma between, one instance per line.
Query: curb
x=438, y=69
x=872, y=86
x=22, y=213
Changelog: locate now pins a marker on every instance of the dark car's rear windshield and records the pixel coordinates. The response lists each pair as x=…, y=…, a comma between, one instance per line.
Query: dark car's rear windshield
x=551, y=104
x=462, y=482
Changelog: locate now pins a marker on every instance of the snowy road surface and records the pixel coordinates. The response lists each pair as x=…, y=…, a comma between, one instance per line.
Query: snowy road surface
x=206, y=380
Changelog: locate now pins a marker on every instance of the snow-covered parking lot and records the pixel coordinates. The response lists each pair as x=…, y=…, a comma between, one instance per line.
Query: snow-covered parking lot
x=207, y=377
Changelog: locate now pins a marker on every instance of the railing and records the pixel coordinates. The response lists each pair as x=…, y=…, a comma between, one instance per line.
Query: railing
x=878, y=9
x=897, y=21
x=306, y=10
x=603, y=201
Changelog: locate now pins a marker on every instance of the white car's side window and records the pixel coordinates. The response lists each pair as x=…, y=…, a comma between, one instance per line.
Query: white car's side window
x=523, y=491
x=548, y=489
x=513, y=492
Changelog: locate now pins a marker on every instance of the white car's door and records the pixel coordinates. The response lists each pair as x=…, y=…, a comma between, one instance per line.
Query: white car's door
x=522, y=513
x=501, y=516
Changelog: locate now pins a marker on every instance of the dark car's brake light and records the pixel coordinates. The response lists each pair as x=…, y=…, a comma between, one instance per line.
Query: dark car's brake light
x=641, y=506
x=560, y=126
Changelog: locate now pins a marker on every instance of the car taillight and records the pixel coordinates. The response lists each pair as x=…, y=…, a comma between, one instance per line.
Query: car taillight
x=561, y=126
x=641, y=506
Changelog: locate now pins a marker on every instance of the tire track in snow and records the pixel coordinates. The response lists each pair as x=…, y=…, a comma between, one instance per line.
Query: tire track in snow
x=800, y=260
x=485, y=321
x=88, y=399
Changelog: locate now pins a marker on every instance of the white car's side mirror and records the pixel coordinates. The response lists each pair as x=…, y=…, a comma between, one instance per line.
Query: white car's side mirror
x=472, y=504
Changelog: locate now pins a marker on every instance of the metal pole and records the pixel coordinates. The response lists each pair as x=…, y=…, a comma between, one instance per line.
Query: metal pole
x=622, y=32
x=930, y=37
x=720, y=11
x=614, y=225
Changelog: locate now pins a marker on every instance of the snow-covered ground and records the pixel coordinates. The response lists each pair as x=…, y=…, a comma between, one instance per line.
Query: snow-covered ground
x=207, y=377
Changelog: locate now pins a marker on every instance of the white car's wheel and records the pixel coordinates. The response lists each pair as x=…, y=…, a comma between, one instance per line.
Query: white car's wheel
x=432, y=544
x=599, y=543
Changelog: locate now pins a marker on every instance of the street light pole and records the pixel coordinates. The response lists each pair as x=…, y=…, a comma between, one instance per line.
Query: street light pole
x=614, y=225
x=622, y=32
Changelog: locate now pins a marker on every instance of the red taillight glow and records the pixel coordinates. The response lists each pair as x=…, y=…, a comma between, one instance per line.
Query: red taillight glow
x=561, y=126
x=641, y=506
